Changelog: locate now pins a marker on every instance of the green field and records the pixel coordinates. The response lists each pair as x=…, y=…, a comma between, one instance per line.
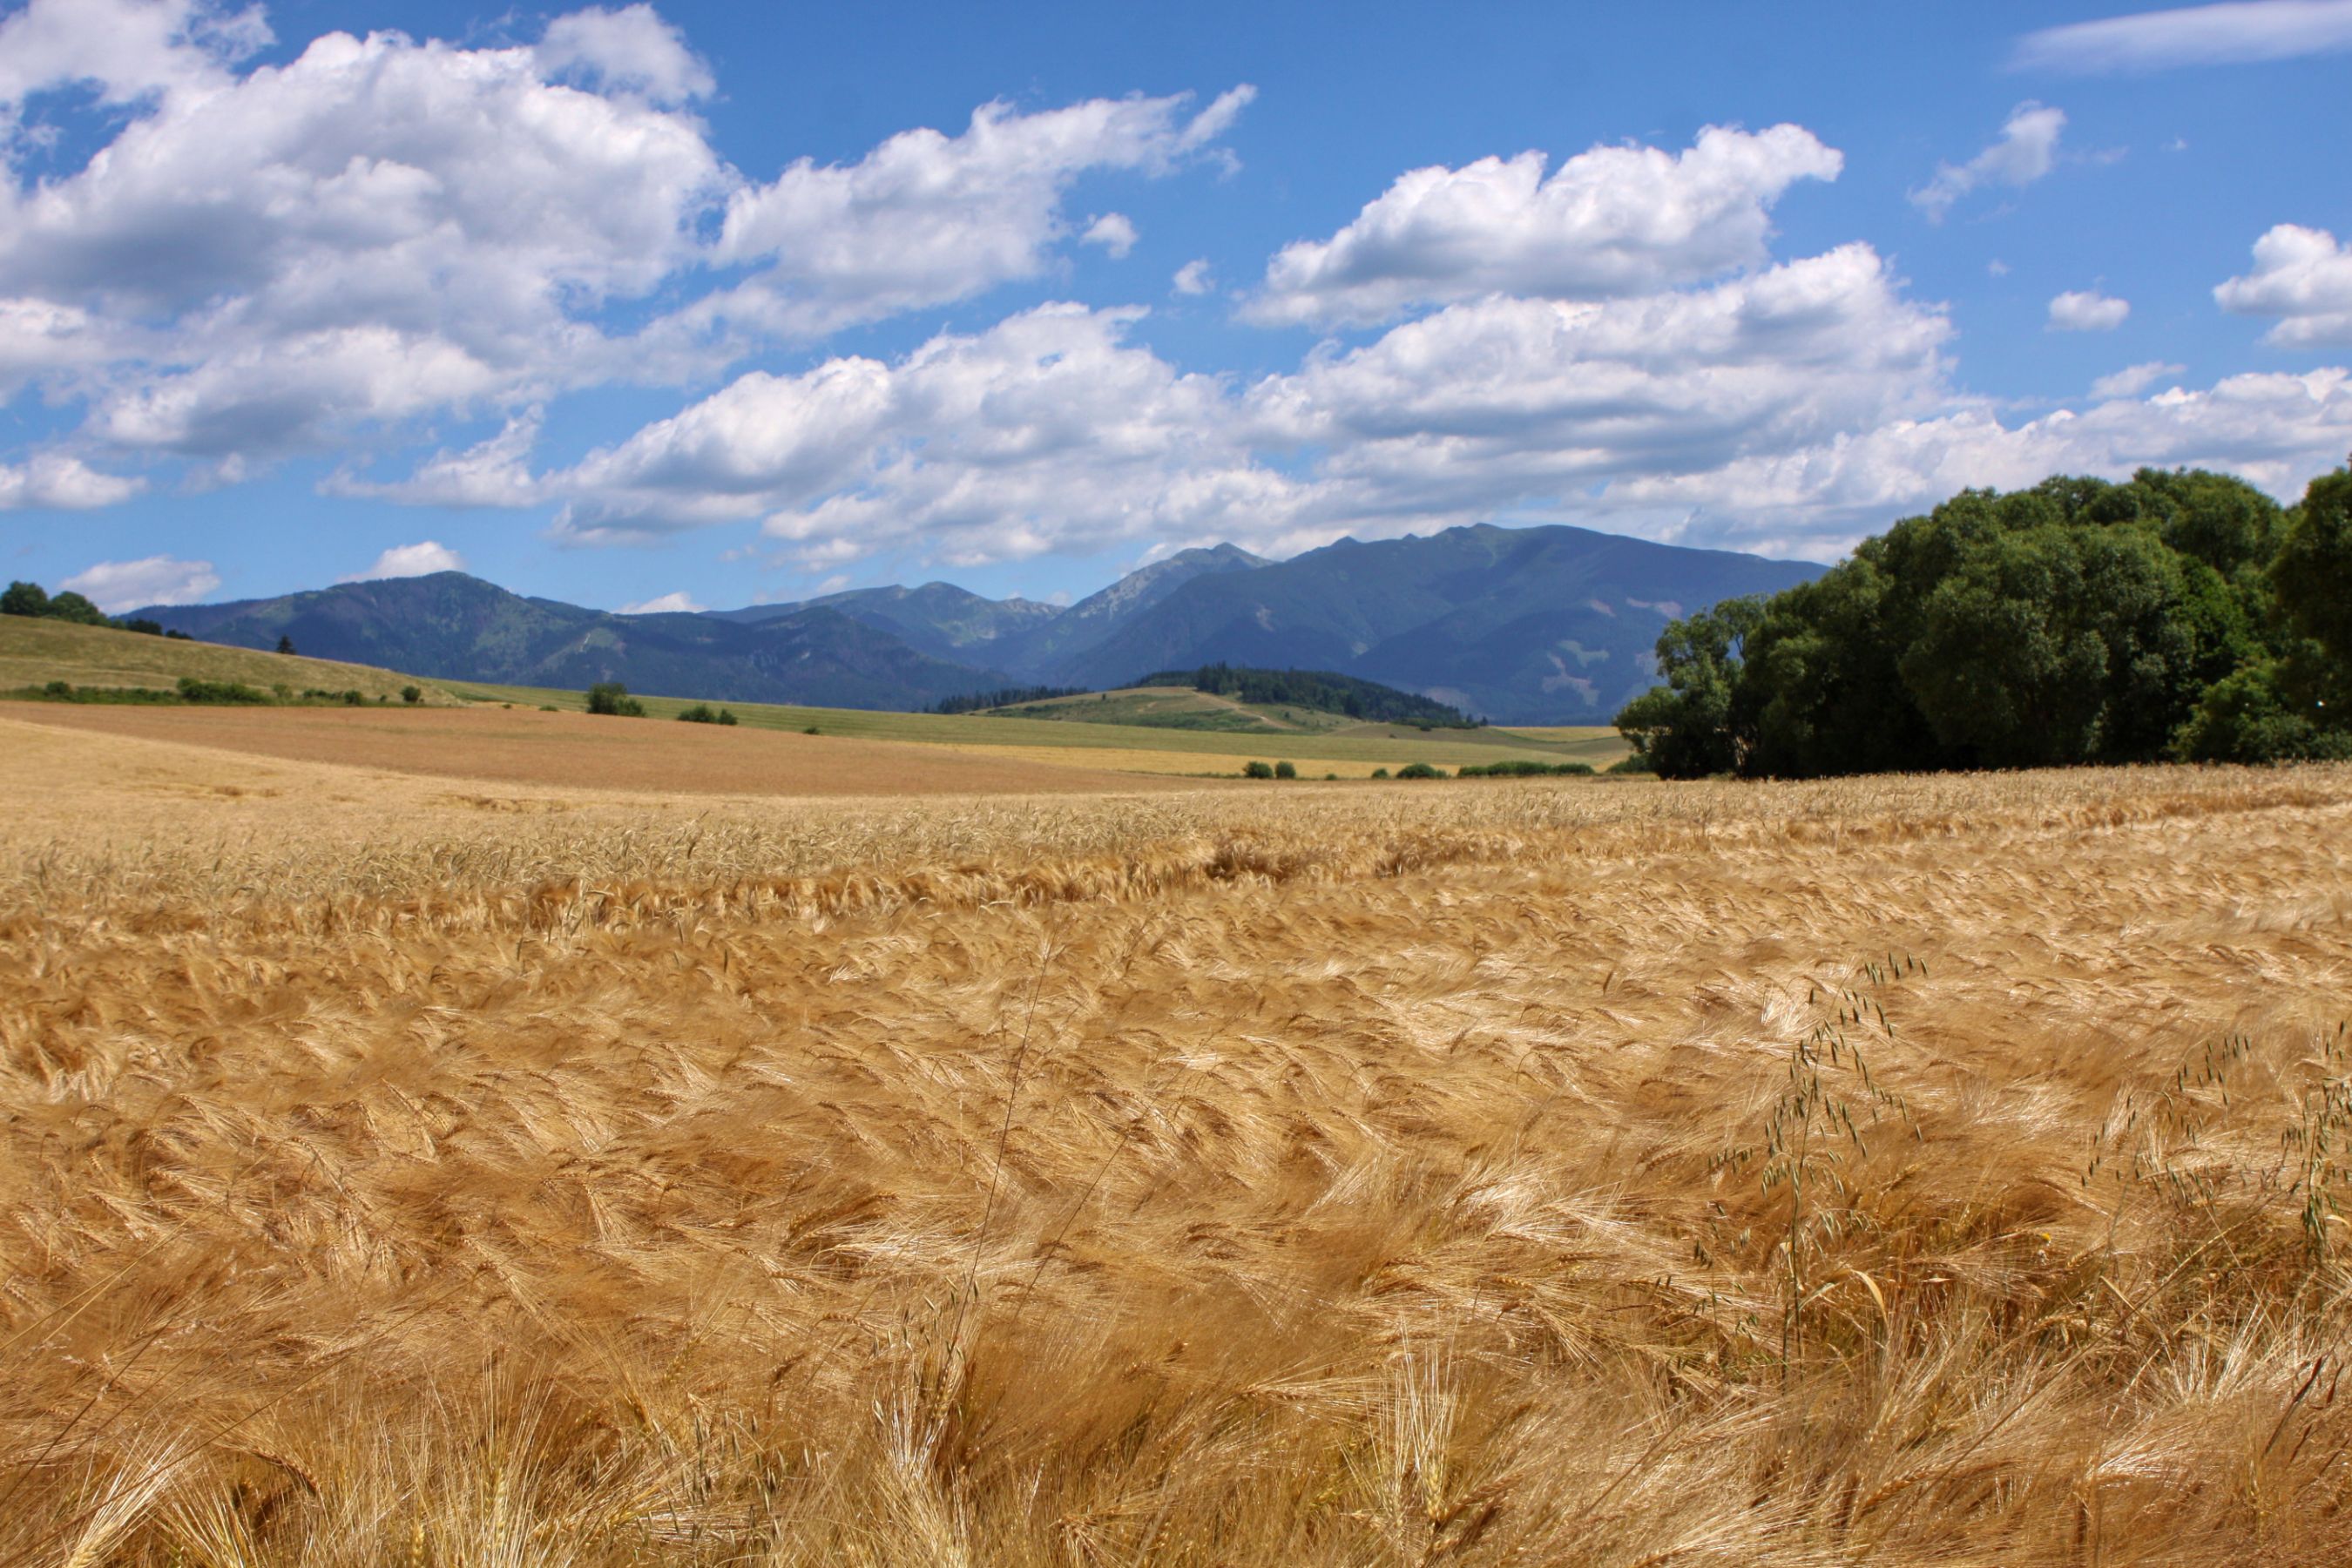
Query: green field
x=34, y=651
x=1382, y=744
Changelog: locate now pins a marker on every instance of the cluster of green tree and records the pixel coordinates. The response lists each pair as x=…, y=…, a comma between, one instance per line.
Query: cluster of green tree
x=1320, y=689
x=613, y=698
x=1004, y=697
x=2183, y=615
x=1522, y=768
x=704, y=713
x=23, y=598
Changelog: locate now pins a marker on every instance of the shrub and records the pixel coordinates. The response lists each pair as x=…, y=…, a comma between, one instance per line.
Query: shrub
x=612, y=698
x=352, y=698
x=1257, y=771
x=727, y=716
x=224, y=692
x=1419, y=771
x=1380, y=772
x=57, y=689
x=410, y=694
x=178, y=636
x=812, y=730
x=704, y=713
x=143, y=625
x=285, y=644
x=549, y=708
x=1285, y=769
x=1637, y=763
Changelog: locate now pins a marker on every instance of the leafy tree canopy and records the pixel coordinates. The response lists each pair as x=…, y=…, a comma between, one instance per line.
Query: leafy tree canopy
x=2180, y=614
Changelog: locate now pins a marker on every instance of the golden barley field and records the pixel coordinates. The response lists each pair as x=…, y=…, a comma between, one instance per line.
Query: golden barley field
x=397, y=1171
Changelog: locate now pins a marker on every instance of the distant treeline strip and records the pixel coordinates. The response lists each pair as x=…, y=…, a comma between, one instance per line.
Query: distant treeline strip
x=1321, y=689
x=2183, y=615
x=1005, y=697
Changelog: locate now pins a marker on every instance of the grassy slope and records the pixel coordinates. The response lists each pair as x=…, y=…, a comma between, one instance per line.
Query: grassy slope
x=34, y=652
x=1187, y=751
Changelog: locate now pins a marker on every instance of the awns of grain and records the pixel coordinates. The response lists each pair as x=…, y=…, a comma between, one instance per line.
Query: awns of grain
x=1916, y=1171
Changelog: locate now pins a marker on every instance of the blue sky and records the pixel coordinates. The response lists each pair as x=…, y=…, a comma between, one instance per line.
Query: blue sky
x=703, y=305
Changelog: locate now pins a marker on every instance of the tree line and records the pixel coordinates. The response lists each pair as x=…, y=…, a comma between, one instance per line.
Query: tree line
x=21, y=598
x=1004, y=697
x=2181, y=615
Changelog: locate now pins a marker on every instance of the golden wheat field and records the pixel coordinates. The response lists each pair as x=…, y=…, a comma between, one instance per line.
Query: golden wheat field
x=400, y=1171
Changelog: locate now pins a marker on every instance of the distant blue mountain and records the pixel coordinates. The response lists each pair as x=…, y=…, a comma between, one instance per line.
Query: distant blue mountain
x=1526, y=625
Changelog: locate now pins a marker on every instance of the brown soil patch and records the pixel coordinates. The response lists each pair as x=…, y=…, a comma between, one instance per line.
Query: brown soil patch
x=575, y=751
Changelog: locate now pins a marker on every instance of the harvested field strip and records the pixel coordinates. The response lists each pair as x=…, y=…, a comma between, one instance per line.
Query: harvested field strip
x=497, y=746
x=1917, y=1170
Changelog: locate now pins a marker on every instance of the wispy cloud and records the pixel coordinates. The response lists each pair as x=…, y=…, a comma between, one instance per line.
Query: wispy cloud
x=2027, y=147
x=2241, y=33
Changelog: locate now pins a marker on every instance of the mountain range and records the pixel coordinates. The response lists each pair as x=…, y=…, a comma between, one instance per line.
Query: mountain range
x=1549, y=624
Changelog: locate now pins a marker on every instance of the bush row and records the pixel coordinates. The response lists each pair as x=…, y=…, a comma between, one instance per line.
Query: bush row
x=1508, y=768
x=193, y=689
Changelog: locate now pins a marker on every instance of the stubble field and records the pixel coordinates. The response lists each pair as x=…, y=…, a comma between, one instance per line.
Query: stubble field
x=398, y=1169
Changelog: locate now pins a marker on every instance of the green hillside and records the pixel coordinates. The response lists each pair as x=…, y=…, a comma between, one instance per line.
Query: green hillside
x=34, y=651
x=1314, y=691
x=1174, y=708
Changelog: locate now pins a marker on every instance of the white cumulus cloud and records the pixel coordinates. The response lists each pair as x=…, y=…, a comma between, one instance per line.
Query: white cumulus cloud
x=629, y=50
x=927, y=219
x=2277, y=431
x=1486, y=404
x=2087, y=311
x=2304, y=278
x=1609, y=221
x=1194, y=277
x=127, y=49
x=2234, y=34
x=679, y=602
x=2025, y=150
x=1114, y=232
x=2133, y=380
x=418, y=560
x=53, y=480
x=1048, y=430
x=118, y=585
x=383, y=230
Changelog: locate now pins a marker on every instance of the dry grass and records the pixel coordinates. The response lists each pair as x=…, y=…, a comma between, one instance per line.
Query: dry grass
x=1910, y=1171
